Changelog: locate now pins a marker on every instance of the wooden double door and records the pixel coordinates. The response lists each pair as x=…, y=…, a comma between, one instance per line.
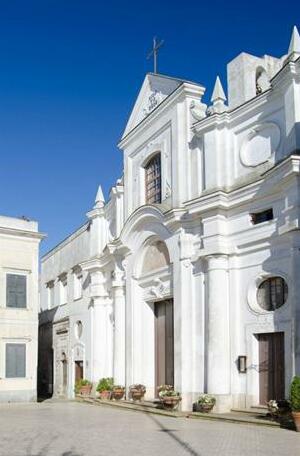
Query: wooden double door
x=164, y=343
x=271, y=366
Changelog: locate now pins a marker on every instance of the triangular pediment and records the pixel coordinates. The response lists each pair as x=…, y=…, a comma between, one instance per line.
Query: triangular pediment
x=154, y=90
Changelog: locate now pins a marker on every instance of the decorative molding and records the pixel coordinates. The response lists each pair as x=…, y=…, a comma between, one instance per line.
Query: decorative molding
x=198, y=110
x=260, y=144
x=168, y=191
x=253, y=285
x=186, y=262
x=153, y=101
x=159, y=290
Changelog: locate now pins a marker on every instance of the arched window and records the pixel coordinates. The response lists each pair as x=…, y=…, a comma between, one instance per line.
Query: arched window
x=153, y=180
x=272, y=293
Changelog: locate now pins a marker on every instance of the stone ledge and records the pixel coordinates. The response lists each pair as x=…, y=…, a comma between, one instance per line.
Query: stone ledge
x=142, y=407
x=148, y=407
x=240, y=418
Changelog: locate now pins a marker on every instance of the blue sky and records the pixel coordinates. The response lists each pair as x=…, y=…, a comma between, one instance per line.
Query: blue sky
x=69, y=75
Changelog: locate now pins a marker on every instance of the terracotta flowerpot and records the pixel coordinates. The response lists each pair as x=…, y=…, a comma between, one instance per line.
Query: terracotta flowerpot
x=205, y=408
x=171, y=402
x=136, y=394
x=118, y=394
x=106, y=395
x=296, y=417
x=85, y=390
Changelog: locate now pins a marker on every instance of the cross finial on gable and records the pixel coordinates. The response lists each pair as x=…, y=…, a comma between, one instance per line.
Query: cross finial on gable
x=156, y=46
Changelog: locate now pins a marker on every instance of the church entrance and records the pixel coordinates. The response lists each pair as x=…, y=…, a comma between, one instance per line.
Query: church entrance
x=164, y=343
x=78, y=370
x=271, y=366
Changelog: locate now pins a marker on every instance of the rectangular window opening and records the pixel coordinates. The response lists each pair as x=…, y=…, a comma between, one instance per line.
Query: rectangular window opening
x=16, y=286
x=153, y=180
x=263, y=216
x=15, y=361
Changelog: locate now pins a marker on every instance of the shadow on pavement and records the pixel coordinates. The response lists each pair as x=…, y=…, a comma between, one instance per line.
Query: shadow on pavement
x=171, y=433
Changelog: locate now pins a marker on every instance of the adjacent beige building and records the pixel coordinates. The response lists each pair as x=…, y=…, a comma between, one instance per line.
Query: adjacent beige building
x=19, y=251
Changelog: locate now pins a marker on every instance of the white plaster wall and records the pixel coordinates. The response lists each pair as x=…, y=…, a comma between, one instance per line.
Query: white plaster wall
x=19, y=247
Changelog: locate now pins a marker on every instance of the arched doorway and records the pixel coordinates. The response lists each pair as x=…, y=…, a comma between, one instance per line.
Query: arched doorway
x=155, y=266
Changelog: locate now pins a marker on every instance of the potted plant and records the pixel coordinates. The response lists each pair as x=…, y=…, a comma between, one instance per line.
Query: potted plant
x=278, y=408
x=118, y=392
x=205, y=403
x=83, y=387
x=295, y=401
x=169, y=397
x=105, y=387
x=137, y=392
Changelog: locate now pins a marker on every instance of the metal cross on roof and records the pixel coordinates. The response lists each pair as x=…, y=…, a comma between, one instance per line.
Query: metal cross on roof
x=156, y=46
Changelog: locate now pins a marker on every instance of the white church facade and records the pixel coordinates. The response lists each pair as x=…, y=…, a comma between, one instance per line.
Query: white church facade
x=189, y=273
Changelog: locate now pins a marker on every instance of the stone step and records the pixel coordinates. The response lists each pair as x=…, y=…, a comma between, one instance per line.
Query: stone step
x=146, y=407
x=153, y=407
x=251, y=411
x=236, y=417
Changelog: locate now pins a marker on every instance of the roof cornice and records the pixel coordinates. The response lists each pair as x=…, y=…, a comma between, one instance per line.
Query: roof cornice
x=22, y=233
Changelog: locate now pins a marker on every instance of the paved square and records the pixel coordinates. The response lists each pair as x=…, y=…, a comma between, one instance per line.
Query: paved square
x=73, y=429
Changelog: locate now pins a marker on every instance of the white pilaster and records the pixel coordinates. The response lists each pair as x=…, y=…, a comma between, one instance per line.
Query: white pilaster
x=183, y=321
x=101, y=337
x=218, y=354
x=295, y=311
x=119, y=325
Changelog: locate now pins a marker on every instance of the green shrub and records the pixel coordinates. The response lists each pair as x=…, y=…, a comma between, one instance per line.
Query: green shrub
x=105, y=384
x=295, y=394
x=80, y=383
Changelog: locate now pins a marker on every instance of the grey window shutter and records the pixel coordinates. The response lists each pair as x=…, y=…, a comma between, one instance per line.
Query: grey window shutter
x=15, y=361
x=16, y=291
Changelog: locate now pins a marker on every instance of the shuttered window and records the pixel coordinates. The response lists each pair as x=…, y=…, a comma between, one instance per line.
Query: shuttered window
x=15, y=365
x=16, y=291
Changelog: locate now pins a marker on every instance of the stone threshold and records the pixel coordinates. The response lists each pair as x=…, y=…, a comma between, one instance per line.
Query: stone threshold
x=239, y=417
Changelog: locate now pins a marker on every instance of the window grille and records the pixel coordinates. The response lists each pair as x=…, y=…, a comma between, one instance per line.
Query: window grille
x=272, y=293
x=153, y=180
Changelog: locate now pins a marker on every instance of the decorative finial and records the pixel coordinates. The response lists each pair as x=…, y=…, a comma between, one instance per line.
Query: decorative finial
x=99, y=201
x=218, y=99
x=294, y=47
x=218, y=92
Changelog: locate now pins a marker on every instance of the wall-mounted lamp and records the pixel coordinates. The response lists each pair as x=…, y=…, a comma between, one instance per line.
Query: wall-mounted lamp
x=242, y=364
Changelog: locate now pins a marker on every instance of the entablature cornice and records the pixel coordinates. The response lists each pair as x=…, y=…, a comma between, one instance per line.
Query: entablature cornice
x=215, y=121
x=96, y=264
x=96, y=212
x=289, y=72
x=287, y=167
x=271, y=182
x=226, y=119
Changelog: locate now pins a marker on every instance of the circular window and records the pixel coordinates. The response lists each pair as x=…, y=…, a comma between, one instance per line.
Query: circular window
x=78, y=329
x=272, y=293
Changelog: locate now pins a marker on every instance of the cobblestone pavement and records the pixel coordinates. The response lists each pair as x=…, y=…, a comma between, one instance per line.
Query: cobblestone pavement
x=74, y=429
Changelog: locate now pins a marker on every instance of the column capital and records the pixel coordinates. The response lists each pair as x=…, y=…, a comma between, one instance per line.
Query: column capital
x=217, y=261
x=100, y=301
